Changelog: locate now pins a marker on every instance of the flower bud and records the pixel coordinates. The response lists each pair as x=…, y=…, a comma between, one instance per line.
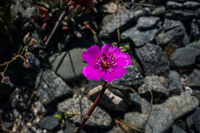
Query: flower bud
x=31, y=61
x=30, y=47
x=33, y=41
x=26, y=64
x=27, y=38
x=6, y=80
x=27, y=55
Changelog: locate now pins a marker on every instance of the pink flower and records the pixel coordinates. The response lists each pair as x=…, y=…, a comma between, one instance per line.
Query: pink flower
x=107, y=62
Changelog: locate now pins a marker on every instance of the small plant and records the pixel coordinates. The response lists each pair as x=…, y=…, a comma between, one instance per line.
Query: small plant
x=107, y=63
x=27, y=58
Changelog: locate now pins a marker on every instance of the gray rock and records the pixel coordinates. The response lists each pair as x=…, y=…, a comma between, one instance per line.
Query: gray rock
x=50, y=122
x=174, y=35
x=158, y=11
x=195, y=33
x=145, y=23
x=196, y=119
x=69, y=64
x=175, y=82
x=135, y=98
x=151, y=57
x=191, y=5
x=145, y=106
x=70, y=126
x=179, y=15
x=160, y=120
x=116, y=130
x=51, y=87
x=110, y=100
x=99, y=118
x=193, y=79
x=185, y=56
x=121, y=21
x=136, y=119
x=155, y=84
x=170, y=24
x=180, y=105
x=173, y=4
x=131, y=78
x=138, y=37
x=176, y=129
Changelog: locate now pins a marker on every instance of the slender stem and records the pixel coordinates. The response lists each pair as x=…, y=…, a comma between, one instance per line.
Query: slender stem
x=93, y=107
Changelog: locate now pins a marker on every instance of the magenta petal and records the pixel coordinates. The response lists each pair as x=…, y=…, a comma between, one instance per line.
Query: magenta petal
x=109, y=49
x=123, y=59
x=91, y=54
x=92, y=73
x=116, y=74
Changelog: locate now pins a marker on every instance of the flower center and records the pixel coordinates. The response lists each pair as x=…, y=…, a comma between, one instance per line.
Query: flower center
x=106, y=63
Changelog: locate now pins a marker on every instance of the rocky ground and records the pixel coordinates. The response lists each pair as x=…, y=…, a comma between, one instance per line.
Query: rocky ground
x=163, y=37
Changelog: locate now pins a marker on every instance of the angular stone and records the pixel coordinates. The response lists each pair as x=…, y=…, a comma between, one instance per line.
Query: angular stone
x=126, y=17
x=191, y=5
x=138, y=37
x=151, y=57
x=185, y=56
x=69, y=64
x=175, y=82
x=136, y=119
x=155, y=84
x=195, y=33
x=110, y=100
x=145, y=23
x=135, y=98
x=51, y=87
x=179, y=15
x=99, y=118
x=176, y=129
x=173, y=4
x=159, y=11
x=193, y=80
x=180, y=105
x=160, y=120
x=131, y=78
x=70, y=126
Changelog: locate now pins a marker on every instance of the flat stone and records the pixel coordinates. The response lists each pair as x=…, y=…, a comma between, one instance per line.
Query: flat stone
x=151, y=57
x=50, y=87
x=180, y=105
x=191, y=5
x=131, y=78
x=68, y=64
x=99, y=118
x=110, y=100
x=193, y=79
x=173, y=4
x=160, y=120
x=139, y=37
x=154, y=83
x=185, y=56
x=159, y=11
x=176, y=129
x=145, y=23
x=136, y=119
x=174, y=82
x=179, y=15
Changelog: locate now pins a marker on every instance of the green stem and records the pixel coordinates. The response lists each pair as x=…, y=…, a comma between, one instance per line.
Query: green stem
x=93, y=107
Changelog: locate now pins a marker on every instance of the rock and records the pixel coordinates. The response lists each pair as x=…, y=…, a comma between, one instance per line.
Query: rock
x=135, y=98
x=196, y=119
x=174, y=82
x=136, y=119
x=160, y=120
x=110, y=100
x=126, y=18
x=170, y=24
x=151, y=57
x=157, y=2
x=159, y=11
x=70, y=126
x=173, y=4
x=179, y=15
x=99, y=118
x=131, y=78
x=180, y=105
x=176, y=129
x=191, y=5
x=174, y=35
x=69, y=64
x=38, y=108
x=116, y=130
x=145, y=23
x=20, y=97
x=155, y=84
x=7, y=124
x=185, y=56
x=50, y=122
x=51, y=88
x=195, y=33
x=138, y=37
x=109, y=7
x=193, y=79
